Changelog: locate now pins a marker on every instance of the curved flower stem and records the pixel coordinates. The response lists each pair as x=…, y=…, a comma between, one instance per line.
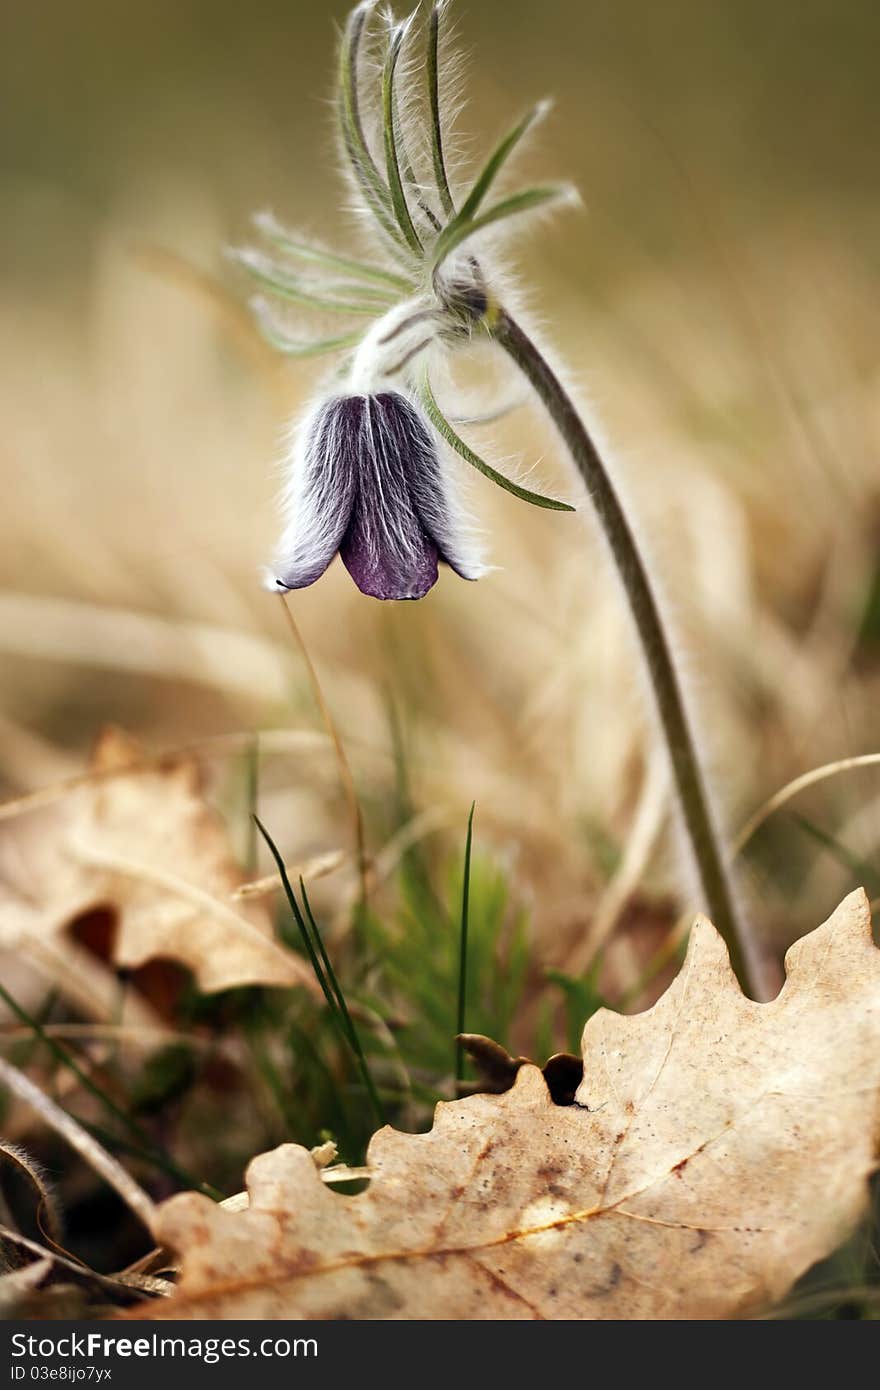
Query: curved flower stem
x=689, y=780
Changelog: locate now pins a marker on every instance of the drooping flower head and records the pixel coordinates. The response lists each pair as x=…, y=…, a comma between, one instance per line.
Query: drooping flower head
x=368, y=471
x=369, y=484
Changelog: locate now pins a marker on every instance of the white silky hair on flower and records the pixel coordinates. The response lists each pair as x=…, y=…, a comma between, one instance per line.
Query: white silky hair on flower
x=367, y=476
x=310, y=527
x=368, y=470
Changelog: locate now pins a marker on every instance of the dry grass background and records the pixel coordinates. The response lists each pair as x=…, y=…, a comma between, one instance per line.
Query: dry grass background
x=717, y=301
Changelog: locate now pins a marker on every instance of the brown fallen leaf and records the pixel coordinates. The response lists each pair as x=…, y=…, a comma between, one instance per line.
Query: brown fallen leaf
x=141, y=840
x=717, y=1148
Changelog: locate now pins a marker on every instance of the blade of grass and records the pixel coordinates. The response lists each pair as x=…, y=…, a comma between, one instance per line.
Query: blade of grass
x=252, y=792
x=444, y=428
x=339, y=1013
x=463, y=947
x=806, y=779
x=354, y=1039
x=109, y=1140
x=853, y=862
x=300, y=922
x=66, y=1059
x=271, y=1076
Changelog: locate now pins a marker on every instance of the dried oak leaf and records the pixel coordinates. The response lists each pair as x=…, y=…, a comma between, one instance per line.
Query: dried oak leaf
x=140, y=839
x=716, y=1149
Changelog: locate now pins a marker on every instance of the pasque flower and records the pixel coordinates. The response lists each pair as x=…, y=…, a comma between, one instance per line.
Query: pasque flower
x=368, y=473
x=369, y=484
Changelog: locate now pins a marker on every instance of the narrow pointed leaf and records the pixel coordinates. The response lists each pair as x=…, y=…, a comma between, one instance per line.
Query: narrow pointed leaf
x=440, y=176
x=363, y=166
x=274, y=278
x=273, y=230
x=497, y=160
x=342, y=1005
x=389, y=124
x=278, y=339
x=457, y=232
x=303, y=930
x=445, y=430
x=410, y=181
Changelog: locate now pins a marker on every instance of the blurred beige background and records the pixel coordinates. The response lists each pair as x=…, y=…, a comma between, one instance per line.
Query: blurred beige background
x=717, y=300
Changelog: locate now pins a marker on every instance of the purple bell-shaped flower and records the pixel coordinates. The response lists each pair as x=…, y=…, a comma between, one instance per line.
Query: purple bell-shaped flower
x=367, y=481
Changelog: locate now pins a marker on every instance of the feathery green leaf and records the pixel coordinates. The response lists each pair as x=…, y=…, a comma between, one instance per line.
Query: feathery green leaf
x=444, y=428
x=278, y=339
x=433, y=66
x=273, y=231
x=273, y=277
x=363, y=166
x=456, y=232
x=389, y=126
x=496, y=161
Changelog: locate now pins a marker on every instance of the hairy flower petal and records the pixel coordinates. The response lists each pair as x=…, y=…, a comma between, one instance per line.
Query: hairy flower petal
x=367, y=480
x=320, y=492
x=386, y=548
x=432, y=493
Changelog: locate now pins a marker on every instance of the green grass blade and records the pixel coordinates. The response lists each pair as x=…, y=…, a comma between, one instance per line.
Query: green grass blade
x=303, y=929
x=858, y=867
x=348, y=265
x=268, y=1071
x=66, y=1059
x=457, y=232
x=399, y=204
x=279, y=340
x=443, y=427
x=324, y=974
x=496, y=161
x=353, y=1037
x=154, y=1157
x=252, y=792
x=463, y=946
x=441, y=179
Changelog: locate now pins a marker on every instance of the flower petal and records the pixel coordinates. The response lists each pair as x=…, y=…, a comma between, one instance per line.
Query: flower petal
x=436, y=504
x=386, y=549
x=320, y=491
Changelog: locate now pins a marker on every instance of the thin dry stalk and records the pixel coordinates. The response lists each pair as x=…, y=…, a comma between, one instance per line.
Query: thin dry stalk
x=88, y=1148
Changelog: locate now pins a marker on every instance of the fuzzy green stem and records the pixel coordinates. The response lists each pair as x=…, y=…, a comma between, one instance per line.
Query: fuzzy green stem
x=656, y=650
